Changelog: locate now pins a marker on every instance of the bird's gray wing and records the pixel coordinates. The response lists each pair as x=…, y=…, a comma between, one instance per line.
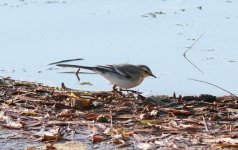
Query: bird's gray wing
x=116, y=69
x=128, y=70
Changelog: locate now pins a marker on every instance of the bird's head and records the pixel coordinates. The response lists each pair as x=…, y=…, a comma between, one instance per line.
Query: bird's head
x=145, y=70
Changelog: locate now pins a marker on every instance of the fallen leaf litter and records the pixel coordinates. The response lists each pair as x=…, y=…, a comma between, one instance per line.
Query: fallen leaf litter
x=123, y=119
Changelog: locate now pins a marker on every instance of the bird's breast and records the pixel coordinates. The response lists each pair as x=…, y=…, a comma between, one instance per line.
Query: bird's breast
x=122, y=81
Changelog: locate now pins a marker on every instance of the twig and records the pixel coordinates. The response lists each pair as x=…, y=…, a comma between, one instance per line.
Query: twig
x=77, y=74
x=190, y=47
x=111, y=117
x=63, y=61
x=232, y=141
x=205, y=124
x=193, y=64
x=73, y=72
x=214, y=86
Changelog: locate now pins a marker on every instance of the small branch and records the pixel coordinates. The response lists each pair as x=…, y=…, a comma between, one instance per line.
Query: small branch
x=77, y=74
x=63, y=61
x=193, y=64
x=111, y=117
x=73, y=72
x=214, y=86
x=205, y=124
x=190, y=47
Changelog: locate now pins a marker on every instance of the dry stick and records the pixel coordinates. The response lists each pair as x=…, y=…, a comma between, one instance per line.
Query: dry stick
x=193, y=64
x=77, y=74
x=111, y=117
x=63, y=61
x=205, y=124
x=73, y=72
x=190, y=47
x=214, y=86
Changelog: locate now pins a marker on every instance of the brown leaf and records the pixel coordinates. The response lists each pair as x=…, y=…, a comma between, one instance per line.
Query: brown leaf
x=80, y=103
x=28, y=112
x=227, y=145
x=66, y=113
x=91, y=116
x=55, y=137
x=177, y=111
x=97, y=138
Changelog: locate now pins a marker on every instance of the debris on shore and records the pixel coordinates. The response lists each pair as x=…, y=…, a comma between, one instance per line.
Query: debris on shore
x=40, y=115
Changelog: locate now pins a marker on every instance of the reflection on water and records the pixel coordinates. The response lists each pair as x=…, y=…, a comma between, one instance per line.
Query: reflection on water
x=155, y=33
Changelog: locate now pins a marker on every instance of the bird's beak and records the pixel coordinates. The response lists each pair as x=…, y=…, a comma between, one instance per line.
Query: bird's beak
x=153, y=75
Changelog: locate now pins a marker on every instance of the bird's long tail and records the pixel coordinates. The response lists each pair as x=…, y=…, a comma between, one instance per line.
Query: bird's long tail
x=76, y=66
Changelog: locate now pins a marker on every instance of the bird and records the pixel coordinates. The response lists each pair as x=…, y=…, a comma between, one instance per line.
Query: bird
x=125, y=76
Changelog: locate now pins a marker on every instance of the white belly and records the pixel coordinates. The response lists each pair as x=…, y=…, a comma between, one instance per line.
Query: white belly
x=122, y=82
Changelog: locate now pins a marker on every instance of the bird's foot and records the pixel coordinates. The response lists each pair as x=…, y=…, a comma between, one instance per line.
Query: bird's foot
x=116, y=89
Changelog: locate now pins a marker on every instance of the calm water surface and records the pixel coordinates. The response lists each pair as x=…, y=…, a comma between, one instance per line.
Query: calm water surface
x=34, y=33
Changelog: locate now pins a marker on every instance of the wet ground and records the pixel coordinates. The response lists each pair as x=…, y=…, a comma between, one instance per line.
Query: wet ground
x=33, y=115
x=35, y=33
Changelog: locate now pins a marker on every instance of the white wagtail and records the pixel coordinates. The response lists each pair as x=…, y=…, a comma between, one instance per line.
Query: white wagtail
x=123, y=75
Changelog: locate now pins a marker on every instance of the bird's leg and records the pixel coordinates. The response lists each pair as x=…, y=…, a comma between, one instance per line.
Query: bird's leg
x=114, y=88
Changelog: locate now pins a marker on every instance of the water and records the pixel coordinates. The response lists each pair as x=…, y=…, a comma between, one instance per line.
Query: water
x=34, y=33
